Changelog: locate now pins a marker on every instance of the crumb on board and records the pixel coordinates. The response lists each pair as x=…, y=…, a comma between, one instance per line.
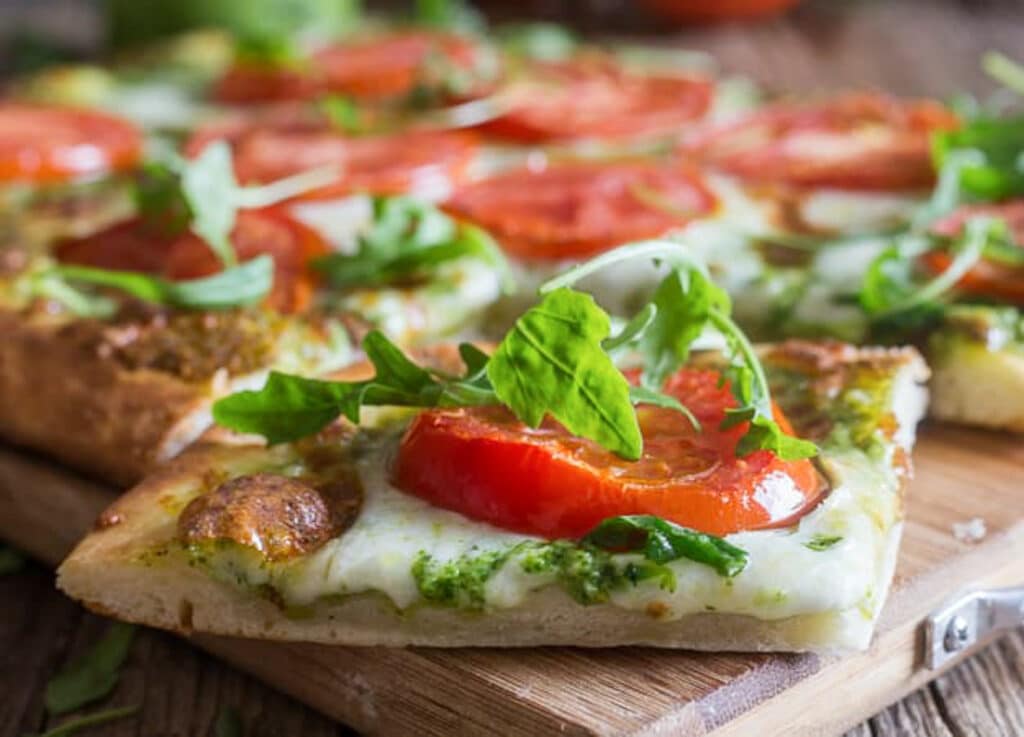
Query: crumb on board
x=971, y=531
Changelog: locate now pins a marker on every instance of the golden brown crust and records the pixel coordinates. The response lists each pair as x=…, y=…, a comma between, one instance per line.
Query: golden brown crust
x=278, y=516
x=62, y=398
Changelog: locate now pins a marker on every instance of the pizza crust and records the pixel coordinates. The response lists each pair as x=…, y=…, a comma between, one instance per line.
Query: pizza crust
x=114, y=572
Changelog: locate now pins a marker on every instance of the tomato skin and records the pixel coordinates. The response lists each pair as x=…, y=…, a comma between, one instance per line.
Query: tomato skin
x=133, y=245
x=289, y=140
x=859, y=141
x=374, y=69
x=484, y=464
x=987, y=278
x=595, y=98
x=48, y=145
x=702, y=11
x=573, y=211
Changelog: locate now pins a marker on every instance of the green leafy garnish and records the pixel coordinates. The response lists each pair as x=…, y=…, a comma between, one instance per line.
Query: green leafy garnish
x=996, y=171
x=687, y=302
x=552, y=362
x=245, y=284
x=214, y=196
x=557, y=361
x=228, y=724
x=160, y=201
x=265, y=49
x=11, y=560
x=823, y=542
x=453, y=14
x=889, y=287
x=93, y=675
x=291, y=407
x=541, y=41
x=73, y=726
x=1005, y=70
x=343, y=113
x=407, y=240
x=662, y=541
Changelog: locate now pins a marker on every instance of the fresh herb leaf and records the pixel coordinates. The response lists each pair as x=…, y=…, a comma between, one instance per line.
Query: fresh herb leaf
x=997, y=168
x=662, y=541
x=264, y=49
x=749, y=386
x=245, y=284
x=408, y=239
x=93, y=675
x=159, y=200
x=73, y=726
x=454, y=14
x=228, y=724
x=823, y=542
x=11, y=560
x=541, y=41
x=214, y=196
x=552, y=363
x=643, y=395
x=343, y=113
x=1004, y=70
x=889, y=287
x=291, y=407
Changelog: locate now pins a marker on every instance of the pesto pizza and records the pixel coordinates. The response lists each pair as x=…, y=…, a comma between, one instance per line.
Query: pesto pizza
x=577, y=485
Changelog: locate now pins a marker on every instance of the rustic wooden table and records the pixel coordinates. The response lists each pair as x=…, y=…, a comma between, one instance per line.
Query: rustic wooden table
x=908, y=47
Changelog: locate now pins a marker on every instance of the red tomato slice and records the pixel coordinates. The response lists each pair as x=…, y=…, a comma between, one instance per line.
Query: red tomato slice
x=572, y=211
x=858, y=141
x=49, y=144
x=421, y=162
x=134, y=246
x=595, y=98
x=485, y=464
x=987, y=278
x=384, y=67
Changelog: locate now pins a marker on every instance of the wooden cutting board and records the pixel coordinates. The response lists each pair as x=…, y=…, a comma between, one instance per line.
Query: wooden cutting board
x=961, y=474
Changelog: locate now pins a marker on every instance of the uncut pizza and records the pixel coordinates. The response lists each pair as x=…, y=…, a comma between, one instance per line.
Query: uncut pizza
x=423, y=335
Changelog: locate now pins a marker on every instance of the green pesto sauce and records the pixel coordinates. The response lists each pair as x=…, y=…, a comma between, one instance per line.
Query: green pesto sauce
x=857, y=417
x=588, y=574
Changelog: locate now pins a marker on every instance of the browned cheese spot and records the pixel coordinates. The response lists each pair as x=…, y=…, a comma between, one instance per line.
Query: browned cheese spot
x=278, y=516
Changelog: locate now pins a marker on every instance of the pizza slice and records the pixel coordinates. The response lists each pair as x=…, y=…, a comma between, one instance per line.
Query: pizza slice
x=203, y=292
x=573, y=487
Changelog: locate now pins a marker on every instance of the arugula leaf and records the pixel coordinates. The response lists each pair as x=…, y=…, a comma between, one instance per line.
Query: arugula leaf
x=214, y=196
x=821, y=542
x=291, y=407
x=276, y=50
x=552, y=363
x=159, y=200
x=662, y=541
x=43, y=283
x=643, y=395
x=73, y=726
x=245, y=284
x=343, y=113
x=455, y=14
x=228, y=724
x=93, y=675
x=889, y=287
x=539, y=40
x=749, y=386
x=1005, y=70
x=408, y=239
x=11, y=560
x=997, y=145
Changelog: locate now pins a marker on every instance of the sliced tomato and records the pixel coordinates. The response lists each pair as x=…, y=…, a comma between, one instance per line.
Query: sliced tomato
x=988, y=278
x=572, y=211
x=50, y=144
x=135, y=246
x=386, y=66
x=421, y=162
x=485, y=464
x=596, y=98
x=858, y=141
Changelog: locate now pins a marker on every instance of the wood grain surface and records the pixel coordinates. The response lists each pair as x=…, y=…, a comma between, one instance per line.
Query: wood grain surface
x=908, y=47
